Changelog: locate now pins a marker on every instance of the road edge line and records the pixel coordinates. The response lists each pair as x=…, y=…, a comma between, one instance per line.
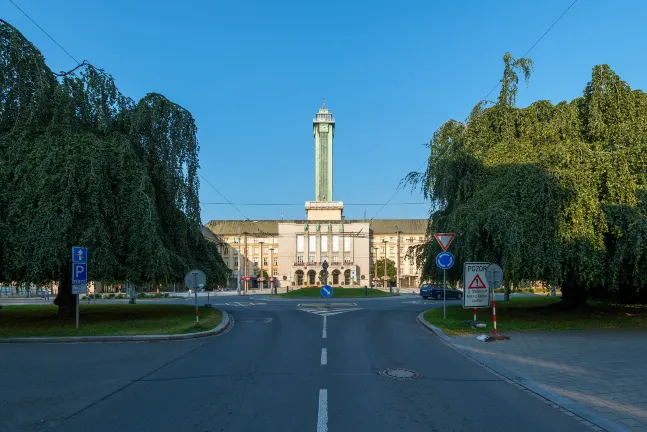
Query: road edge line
x=220, y=328
x=572, y=409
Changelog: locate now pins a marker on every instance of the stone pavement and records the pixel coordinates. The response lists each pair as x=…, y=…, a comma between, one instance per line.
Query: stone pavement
x=600, y=375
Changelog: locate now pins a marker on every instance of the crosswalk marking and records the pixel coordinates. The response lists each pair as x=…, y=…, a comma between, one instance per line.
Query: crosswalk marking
x=239, y=304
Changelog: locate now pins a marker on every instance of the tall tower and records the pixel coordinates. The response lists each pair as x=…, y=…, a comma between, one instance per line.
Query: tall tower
x=324, y=131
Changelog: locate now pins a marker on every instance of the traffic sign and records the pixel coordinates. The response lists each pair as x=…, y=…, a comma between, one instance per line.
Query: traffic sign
x=445, y=260
x=494, y=276
x=195, y=279
x=326, y=291
x=79, y=254
x=476, y=289
x=444, y=239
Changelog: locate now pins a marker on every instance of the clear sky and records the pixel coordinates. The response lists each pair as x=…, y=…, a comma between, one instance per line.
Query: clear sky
x=253, y=73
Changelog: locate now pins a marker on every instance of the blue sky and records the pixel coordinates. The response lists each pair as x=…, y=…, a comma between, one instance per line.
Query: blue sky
x=253, y=74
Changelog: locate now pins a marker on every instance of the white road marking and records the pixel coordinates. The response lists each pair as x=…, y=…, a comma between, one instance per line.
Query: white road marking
x=324, y=356
x=329, y=312
x=324, y=334
x=322, y=415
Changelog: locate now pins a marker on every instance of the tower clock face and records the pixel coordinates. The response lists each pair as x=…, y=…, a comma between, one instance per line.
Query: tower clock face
x=323, y=127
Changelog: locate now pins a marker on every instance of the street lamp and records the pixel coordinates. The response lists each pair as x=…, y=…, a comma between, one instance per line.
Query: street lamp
x=375, y=267
x=385, y=276
x=260, y=277
x=272, y=285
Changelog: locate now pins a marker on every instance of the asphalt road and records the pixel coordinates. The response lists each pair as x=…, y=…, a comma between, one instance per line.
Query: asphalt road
x=279, y=368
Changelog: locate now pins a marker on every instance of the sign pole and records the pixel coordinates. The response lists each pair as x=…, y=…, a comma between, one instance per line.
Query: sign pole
x=77, y=311
x=195, y=290
x=444, y=294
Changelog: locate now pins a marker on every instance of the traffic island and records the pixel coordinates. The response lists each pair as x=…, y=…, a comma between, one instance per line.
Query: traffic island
x=315, y=292
x=535, y=313
x=114, y=322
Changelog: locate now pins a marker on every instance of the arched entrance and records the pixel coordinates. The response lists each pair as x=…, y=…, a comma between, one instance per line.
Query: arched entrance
x=347, y=277
x=299, y=277
x=335, y=277
x=311, y=277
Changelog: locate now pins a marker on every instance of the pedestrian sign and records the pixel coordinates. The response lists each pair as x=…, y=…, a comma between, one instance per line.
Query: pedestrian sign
x=477, y=283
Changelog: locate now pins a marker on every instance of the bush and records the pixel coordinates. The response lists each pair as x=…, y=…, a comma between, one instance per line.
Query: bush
x=109, y=296
x=141, y=295
x=166, y=295
x=120, y=296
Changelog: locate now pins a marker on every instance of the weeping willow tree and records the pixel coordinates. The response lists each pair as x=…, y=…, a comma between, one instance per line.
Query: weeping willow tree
x=554, y=193
x=81, y=164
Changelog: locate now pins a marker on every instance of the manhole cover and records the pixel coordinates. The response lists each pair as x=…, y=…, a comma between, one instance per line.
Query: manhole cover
x=400, y=374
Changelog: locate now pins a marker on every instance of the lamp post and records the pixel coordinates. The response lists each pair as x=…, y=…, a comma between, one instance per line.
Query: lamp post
x=272, y=285
x=385, y=277
x=397, y=264
x=260, y=274
x=375, y=267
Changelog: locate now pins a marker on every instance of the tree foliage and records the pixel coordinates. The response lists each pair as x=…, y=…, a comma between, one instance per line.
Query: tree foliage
x=81, y=164
x=391, y=270
x=551, y=192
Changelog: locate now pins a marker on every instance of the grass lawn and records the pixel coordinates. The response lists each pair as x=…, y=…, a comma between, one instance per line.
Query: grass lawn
x=106, y=320
x=521, y=314
x=336, y=293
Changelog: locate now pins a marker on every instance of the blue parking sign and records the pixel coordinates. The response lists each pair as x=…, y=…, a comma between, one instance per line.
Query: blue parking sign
x=79, y=274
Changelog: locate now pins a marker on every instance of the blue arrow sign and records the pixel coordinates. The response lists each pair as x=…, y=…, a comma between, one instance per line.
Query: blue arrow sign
x=79, y=254
x=445, y=260
x=326, y=291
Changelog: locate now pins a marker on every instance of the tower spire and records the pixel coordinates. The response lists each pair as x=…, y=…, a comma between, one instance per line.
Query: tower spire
x=323, y=103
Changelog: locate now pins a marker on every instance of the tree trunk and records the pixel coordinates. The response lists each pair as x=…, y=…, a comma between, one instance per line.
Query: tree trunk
x=573, y=296
x=65, y=300
x=506, y=295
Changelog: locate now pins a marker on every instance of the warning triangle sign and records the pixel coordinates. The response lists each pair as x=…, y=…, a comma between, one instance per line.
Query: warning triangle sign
x=477, y=283
x=444, y=239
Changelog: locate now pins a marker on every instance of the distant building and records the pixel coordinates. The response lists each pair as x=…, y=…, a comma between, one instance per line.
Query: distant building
x=292, y=251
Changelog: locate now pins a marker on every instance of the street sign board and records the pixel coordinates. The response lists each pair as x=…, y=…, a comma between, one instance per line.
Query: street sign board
x=444, y=239
x=476, y=292
x=494, y=276
x=79, y=270
x=445, y=260
x=326, y=291
x=195, y=279
x=79, y=254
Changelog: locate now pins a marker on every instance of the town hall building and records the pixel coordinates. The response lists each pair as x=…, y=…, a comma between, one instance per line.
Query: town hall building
x=291, y=252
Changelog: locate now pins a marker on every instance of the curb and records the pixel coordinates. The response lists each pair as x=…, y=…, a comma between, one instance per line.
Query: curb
x=568, y=406
x=220, y=328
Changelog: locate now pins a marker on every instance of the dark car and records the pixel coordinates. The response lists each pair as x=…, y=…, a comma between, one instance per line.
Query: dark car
x=430, y=290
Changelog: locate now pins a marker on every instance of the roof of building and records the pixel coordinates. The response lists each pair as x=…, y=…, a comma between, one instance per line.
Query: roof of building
x=271, y=227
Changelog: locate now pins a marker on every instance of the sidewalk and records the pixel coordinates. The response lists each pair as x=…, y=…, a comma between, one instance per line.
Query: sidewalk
x=600, y=375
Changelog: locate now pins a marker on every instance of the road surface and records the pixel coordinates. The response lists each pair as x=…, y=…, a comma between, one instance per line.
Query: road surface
x=283, y=366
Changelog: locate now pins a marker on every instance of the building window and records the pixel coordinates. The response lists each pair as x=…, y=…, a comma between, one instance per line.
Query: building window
x=299, y=243
x=275, y=273
x=225, y=251
x=236, y=239
x=255, y=251
x=346, y=244
x=235, y=261
x=335, y=243
x=392, y=249
x=311, y=259
x=312, y=243
x=381, y=250
x=392, y=239
x=300, y=259
x=335, y=259
x=324, y=258
x=324, y=244
x=264, y=261
x=255, y=240
x=276, y=251
x=421, y=239
x=256, y=260
x=276, y=261
x=347, y=259
x=411, y=239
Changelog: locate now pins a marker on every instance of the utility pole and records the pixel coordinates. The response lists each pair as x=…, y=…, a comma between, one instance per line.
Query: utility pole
x=397, y=278
x=246, y=268
x=271, y=270
x=385, y=277
x=375, y=266
x=238, y=266
x=260, y=277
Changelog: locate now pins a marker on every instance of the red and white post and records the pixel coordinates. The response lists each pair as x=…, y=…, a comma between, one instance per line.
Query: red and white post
x=494, y=314
x=474, y=314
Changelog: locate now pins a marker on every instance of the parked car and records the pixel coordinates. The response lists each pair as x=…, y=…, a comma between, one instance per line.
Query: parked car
x=430, y=290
